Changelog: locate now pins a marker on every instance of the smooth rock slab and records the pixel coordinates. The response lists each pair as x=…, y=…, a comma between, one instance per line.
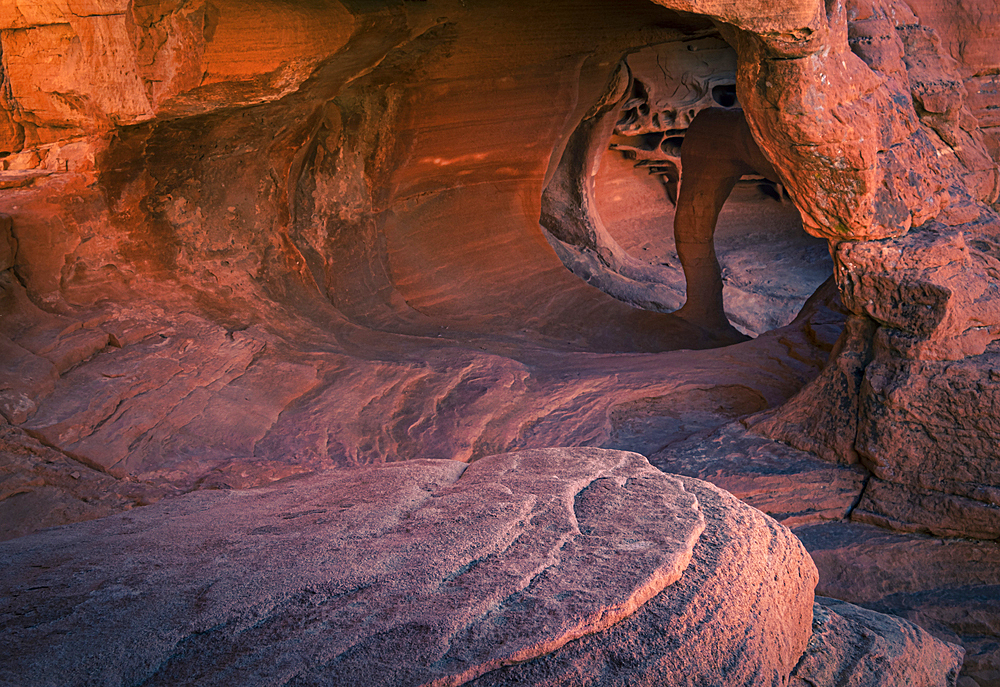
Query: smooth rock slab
x=422, y=572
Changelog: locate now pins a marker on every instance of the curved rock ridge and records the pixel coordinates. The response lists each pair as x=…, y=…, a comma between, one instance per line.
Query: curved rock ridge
x=422, y=572
x=739, y=616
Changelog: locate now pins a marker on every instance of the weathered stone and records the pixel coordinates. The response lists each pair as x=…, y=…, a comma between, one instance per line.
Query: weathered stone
x=743, y=568
x=134, y=411
x=933, y=290
x=8, y=247
x=441, y=571
x=965, y=29
x=41, y=487
x=929, y=426
x=947, y=586
x=855, y=646
x=864, y=564
x=907, y=508
x=791, y=486
x=24, y=379
x=829, y=434
x=253, y=243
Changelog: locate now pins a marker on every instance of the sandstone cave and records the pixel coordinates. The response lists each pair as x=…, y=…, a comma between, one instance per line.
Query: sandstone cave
x=348, y=342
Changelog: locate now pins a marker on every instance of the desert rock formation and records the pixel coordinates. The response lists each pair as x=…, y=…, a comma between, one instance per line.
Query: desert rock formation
x=539, y=567
x=248, y=252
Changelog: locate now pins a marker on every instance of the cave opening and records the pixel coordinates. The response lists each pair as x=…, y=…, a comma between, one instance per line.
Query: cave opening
x=623, y=242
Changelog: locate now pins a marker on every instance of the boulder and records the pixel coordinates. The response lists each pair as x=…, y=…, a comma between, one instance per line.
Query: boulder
x=947, y=586
x=854, y=646
x=423, y=572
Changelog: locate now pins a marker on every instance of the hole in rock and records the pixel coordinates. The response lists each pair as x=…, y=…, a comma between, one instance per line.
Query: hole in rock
x=682, y=109
x=725, y=95
x=770, y=265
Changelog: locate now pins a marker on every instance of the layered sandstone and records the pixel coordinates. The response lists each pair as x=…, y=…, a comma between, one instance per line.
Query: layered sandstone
x=241, y=244
x=423, y=572
x=854, y=646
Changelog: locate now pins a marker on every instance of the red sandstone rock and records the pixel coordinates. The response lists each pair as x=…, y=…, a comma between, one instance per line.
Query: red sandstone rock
x=791, y=486
x=441, y=572
x=912, y=397
x=331, y=216
x=41, y=487
x=947, y=586
x=8, y=247
x=742, y=567
x=855, y=646
x=830, y=434
x=933, y=291
x=967, y=29
x=916, y=431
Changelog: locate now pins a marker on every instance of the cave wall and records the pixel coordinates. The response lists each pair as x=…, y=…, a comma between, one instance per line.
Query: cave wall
x=248, y=241
x=340, y=266
x=387, y=176
x=310, y=178
x=405, y=87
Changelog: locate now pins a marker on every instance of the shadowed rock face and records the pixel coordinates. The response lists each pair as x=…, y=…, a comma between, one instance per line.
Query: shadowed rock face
x=851, y=645
x=242, y=244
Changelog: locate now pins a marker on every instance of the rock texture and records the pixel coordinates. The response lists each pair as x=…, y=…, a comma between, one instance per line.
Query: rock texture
x=909, y=393
x=947, y=586
x=791, y=486
x=230, y=280
x=442, y=572
x=964, y=29
x=854, y=646
x=42, y=487
x=242, y=244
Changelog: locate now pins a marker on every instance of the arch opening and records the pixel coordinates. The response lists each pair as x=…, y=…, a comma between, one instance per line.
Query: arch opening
x=622, y=239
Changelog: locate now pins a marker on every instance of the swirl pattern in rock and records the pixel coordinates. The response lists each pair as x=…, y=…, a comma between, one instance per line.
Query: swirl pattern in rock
x=423, y=572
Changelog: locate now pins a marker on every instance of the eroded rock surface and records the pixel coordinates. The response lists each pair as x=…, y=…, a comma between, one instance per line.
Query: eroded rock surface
x=743, y=566
x=248, y=244
x=854, y=646
x=947, y=586
x=793, y=487
x=423, y=572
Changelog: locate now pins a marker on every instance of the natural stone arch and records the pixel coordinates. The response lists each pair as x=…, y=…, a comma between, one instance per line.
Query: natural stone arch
x=643, y=117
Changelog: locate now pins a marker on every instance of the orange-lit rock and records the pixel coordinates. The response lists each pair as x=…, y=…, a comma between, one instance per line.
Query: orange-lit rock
x=253, y=241
x=966, y=30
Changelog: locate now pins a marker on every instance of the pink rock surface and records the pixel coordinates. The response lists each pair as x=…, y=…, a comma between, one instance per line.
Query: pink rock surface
x=423, y=572
x=252, y=243
x=737, y=616
x=854, y=646
x=948, y=586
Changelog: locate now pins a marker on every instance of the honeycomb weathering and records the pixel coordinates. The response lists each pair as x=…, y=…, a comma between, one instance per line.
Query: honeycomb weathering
x=242, y=246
